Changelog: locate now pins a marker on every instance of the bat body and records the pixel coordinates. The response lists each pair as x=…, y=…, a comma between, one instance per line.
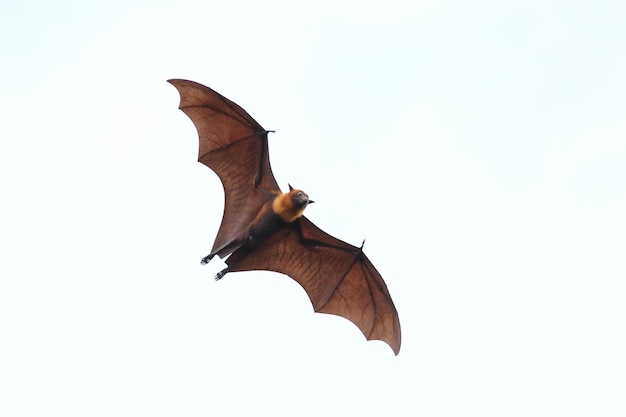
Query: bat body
x=276, y=213
x=265, y=229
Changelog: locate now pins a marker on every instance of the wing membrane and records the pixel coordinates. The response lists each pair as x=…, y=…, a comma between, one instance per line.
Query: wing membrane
x=234, y=146
x=338, y=278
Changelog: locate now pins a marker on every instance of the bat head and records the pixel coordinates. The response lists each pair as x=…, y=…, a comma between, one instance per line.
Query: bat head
x=289, y=206
x=299, y=197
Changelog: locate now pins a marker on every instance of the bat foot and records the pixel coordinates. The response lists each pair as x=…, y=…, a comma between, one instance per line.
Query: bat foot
x=221, y=274
x=206, y=259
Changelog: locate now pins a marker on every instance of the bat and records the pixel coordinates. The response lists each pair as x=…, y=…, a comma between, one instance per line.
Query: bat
x=264, y=229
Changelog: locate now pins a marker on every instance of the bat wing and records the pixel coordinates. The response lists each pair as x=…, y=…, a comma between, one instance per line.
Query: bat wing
x=338, y=277
x=233, y=145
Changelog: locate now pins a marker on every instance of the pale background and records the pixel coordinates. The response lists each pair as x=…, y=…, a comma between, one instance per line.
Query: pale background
x=479, y=147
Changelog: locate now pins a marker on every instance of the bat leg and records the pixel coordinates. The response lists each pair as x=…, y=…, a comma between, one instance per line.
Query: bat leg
x=232, y=260
x=221, y=274
x=224, y=250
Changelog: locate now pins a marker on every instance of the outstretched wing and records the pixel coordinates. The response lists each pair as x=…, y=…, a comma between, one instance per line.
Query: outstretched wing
x=338, y=277
x=233, y=145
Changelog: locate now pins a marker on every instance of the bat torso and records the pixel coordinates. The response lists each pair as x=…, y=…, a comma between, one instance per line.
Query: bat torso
x=266, y=223
x=280, y=210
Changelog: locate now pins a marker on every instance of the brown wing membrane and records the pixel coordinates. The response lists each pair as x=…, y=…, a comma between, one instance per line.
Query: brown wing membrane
x=233, y=145
x=338, y=277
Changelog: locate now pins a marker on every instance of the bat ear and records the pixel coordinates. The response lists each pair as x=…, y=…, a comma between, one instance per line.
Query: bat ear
x=290, y=187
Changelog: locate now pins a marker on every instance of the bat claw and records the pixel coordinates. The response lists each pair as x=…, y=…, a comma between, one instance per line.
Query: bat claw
x=206, y=259
x=221, y=274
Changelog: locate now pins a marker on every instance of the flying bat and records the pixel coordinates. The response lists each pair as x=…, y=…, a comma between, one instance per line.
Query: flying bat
x=264, y=228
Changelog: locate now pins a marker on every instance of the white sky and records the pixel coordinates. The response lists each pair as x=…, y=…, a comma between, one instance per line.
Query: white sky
x=479, y=148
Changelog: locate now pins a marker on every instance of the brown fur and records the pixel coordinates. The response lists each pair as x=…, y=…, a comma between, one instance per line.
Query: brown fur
x=284, y=207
